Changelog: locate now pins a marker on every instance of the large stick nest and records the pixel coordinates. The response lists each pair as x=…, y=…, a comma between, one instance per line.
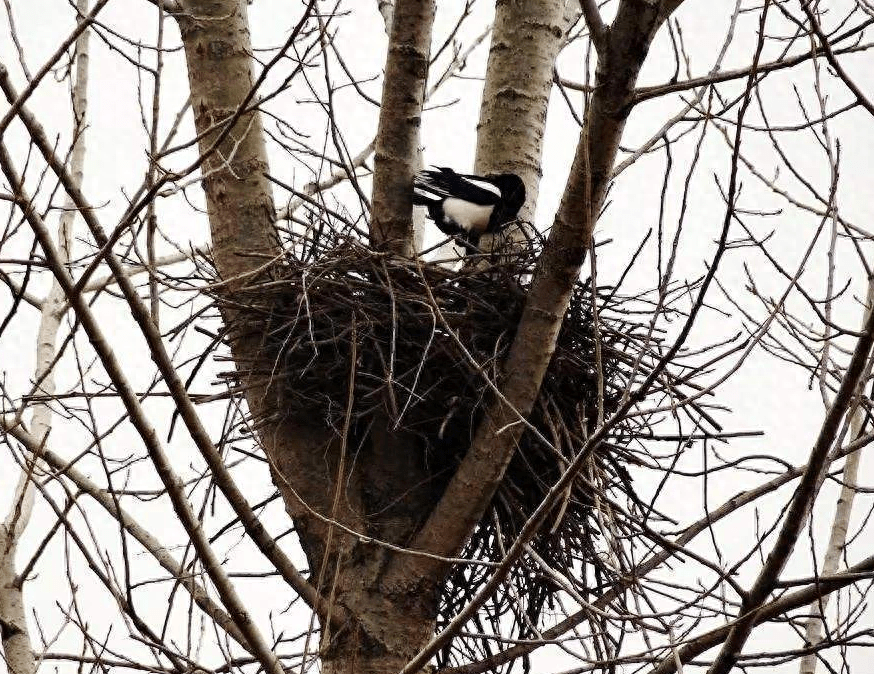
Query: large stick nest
x=429, y=345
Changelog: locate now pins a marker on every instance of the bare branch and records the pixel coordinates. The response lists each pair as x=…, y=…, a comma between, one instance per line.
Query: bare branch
x=168, y=6
x=15, y=633
x=253, y=525
x=473, y=485
x=798, y=511
x=824, y=45
x=157, y=549
x=597, y=29
x=180, y=503
x=843, y=510
x=16, y=104
x=823, y=586
x=647, y=93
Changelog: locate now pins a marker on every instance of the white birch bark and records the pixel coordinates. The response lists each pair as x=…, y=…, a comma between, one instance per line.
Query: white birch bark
x=526, y=39
x=17, y=647
x=841, y=522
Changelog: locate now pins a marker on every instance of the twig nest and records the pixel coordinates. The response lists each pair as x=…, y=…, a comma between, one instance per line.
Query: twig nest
x=422, y=346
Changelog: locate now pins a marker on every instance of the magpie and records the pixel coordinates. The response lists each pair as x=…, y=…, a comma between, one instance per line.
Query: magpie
x=467, y=206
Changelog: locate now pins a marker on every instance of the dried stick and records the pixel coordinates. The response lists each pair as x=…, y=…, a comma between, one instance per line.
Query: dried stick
x=181, y=505
x=157, y=549
x=843, y=510
x=16, y=634
x=237, y=500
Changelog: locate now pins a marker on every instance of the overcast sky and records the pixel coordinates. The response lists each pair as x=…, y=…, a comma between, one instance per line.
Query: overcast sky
x=766, y=394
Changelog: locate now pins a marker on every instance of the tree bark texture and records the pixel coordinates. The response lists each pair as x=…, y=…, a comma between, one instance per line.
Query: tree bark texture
x=400, y=118
x=328, y=502
x=239, y=199
x=238, y=196
x=391, y=598
x=526, y=39
x=14, y=635
x=472, y=487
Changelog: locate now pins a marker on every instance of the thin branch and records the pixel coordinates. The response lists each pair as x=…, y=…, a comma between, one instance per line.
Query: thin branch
x=597, y=29
x=799, y=509
x=157, y=549
x=821, y=587
x=18, y=102
x=265, y=542
x=181, y=505
x=843, y=510
x=830, y=55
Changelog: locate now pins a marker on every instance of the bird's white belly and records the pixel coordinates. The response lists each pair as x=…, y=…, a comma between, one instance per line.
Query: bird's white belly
x=470, y=217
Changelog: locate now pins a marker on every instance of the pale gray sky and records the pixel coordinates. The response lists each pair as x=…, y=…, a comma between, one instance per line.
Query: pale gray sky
x=766, y=394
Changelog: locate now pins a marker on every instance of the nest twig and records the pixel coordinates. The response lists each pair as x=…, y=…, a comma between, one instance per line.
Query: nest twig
x=428, y=341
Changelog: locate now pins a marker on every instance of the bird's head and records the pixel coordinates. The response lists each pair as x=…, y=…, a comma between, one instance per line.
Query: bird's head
x=512, y=189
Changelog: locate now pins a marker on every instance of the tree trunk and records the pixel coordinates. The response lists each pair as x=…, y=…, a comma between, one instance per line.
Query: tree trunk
x=239, y=198
x=388, y=633
x=474, y=483
x=17, y=651
x=215, y=36
x=525, y=42
x=397, y=159
x=309, y=463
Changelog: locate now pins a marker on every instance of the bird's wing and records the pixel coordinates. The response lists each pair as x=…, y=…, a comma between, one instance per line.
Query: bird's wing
x=424, y=192
x=447, y=183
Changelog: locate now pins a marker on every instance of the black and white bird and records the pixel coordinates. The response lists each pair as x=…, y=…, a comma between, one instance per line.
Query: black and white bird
x=468, y=206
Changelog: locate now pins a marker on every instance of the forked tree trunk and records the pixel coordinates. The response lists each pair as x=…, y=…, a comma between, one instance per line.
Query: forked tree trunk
x=404, y=630
x=380, y=630
x=389, y=614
